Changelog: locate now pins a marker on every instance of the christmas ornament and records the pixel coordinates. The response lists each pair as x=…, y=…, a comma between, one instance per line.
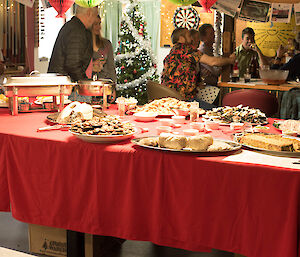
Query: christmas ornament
x=183, y=2
x=88, y=3
x=206, y=4
x=61, y=6
x=186, y=17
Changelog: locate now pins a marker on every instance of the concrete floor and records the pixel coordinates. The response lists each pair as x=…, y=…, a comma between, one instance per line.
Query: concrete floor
x=14, y=235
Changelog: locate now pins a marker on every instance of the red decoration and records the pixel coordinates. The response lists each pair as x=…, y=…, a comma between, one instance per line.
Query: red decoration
x=206, y=4
x=61, y=6
x=154, y=65
x=134, y=71
x=122, y=67
x=125, y=80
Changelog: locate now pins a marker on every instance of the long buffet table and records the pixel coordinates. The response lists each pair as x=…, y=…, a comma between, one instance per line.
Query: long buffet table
x=186, y=201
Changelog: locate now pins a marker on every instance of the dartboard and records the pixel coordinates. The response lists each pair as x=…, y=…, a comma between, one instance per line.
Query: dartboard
x=186, y=17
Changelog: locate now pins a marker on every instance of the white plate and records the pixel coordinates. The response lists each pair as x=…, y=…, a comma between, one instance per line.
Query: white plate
x=50, y=100
x=235, y=146
x=103, y=139
x=144, y=116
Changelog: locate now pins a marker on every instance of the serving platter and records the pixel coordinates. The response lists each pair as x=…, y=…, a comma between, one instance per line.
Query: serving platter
x=207, y=118
x=237, y=136
x=270, y=152
x=52, y=117
x=235, y=146
x=103, y=138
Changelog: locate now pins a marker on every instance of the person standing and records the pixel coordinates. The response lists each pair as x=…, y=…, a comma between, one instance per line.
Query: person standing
x=73, y=49
x=103, y=56
x=180, y=66
x=209, y=74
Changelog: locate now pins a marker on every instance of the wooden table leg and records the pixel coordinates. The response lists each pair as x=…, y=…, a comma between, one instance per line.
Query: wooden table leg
x=75, y=244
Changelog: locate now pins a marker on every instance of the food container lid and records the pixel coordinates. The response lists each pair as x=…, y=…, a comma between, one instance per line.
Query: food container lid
x=98, y=82
x=38, y=80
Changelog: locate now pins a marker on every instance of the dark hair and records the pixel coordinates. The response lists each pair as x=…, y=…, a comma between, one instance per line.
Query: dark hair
x=248, y=31
x=203, y=29
x=99, y=39
x=178, y=32
x=194, y=32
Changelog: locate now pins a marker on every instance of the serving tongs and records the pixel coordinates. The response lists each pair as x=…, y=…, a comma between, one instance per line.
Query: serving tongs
x=54, y=127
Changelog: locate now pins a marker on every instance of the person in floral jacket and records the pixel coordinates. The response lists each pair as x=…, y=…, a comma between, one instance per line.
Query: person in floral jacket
x=181, y=66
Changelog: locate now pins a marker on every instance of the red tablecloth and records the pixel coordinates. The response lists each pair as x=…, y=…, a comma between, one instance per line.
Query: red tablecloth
x=122, y=190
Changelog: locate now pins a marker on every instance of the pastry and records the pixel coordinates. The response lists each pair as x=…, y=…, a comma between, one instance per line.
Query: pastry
x=199, y=143
x=271, y=142
x=150, y=141
x=171, y=141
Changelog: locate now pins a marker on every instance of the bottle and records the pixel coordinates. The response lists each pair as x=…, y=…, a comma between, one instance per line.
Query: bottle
x=254, y=67
x=247, y=76
x=235, y=76
x=194, y=111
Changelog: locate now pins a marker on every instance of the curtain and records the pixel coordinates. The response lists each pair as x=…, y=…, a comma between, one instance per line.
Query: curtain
x=111, y=12
x=151, y=11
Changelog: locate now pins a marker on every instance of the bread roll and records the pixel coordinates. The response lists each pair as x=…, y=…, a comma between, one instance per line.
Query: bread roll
x=171, y=141
x=200, y=142
x=218, y=146
x=150, y=141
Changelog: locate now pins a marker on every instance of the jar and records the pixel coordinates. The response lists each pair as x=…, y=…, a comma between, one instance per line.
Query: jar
x=121, y=106
x=194, y=111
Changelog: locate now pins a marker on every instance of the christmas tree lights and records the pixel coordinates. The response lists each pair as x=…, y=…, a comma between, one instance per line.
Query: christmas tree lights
x=135, y=61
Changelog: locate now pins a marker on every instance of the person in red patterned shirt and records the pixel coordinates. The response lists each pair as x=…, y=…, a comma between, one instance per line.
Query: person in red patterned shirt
x=181, y=66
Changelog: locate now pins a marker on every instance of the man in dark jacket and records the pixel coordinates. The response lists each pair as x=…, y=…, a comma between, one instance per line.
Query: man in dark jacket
x=73, y=49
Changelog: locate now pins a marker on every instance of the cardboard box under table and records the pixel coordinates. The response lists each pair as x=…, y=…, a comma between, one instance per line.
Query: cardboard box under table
x=53, y=242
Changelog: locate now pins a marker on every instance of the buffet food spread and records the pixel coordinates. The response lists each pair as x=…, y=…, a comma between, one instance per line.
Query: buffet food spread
x=166, y=106
x=239, y=113
x=93, y=125
x=104, y=126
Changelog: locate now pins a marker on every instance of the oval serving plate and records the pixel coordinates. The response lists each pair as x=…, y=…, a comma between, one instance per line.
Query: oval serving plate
x=52, y=117
x=235, y=146
x=206, y=118
x=103, y=139
x=270, y=152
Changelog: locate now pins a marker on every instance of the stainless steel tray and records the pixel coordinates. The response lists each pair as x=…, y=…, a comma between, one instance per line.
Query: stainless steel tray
x=270, y=152
x=235, y=147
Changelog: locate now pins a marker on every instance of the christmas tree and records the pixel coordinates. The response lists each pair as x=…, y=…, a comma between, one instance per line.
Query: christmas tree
x=135, y=62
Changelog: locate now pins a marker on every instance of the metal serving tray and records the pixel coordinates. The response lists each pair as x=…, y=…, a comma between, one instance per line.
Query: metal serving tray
x=42, y=85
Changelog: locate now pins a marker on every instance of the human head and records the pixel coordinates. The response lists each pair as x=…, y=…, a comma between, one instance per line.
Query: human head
x=248, y=38
x=87, y=15
x=207, y=34
x=96, y=27
x=181, y=35
x=195, y=36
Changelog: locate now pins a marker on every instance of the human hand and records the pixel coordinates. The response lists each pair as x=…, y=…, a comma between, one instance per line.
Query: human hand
x=280, y=51
x=232, y=58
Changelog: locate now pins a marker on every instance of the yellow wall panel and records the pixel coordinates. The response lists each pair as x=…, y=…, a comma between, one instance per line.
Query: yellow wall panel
x=167, y=12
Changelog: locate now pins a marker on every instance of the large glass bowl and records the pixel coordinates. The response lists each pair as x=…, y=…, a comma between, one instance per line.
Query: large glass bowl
x=274, y=77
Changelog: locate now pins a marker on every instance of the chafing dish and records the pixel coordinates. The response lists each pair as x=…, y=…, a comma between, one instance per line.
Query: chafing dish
x=36, y=85
x=100, y=87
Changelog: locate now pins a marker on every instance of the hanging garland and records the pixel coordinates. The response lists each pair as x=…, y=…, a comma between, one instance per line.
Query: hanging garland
x=183, y=2
x=88, y=3
x=144, y=44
